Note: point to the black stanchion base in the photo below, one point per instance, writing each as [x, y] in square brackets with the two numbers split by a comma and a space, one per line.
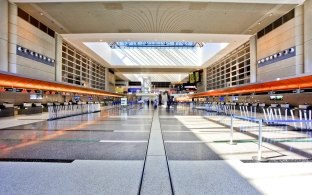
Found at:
[255, 158]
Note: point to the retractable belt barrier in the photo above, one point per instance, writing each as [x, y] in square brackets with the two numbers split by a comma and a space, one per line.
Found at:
[56, 112]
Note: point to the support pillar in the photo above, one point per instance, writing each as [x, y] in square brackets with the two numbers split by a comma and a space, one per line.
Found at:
[204, 81]
[4, 35]
[299, 39]
[12, 37]
[253, 59]
[58, 57]
[308, 36]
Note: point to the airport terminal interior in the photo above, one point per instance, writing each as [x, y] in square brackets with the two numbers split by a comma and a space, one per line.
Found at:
[155, 97]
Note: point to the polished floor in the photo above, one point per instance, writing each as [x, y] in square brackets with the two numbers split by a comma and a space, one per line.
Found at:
[146, 151]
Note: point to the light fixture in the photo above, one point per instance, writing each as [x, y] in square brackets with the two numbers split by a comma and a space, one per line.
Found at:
[259, 61]
[32, 53]
[292, 50]
[259, 23]
[36, 54]
[41, 13]
[20, 48]
[275, 55]
[262, 60]
[278, 79]
[101, 40]
[267, 59]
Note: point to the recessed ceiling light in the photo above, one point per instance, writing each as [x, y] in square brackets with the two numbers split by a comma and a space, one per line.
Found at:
[41, 13]
[271, 14]
[249, 30]
[101, 40]
[259, 23]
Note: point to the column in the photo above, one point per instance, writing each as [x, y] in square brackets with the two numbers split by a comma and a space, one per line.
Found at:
[308, 36]
[4, 28]
[12, 37]
[204, 81]
[299, 39]
[106, 80]
[58, 57]
[253, 59]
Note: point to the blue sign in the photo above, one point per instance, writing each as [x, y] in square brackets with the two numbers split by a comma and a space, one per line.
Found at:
[134, 90]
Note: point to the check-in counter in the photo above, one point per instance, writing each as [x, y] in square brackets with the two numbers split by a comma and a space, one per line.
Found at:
[6, 109]
[45, 107]
[256, 107]
[285, 108]
[274, 105]
[305, 111]
[261, 106]
[29, 108]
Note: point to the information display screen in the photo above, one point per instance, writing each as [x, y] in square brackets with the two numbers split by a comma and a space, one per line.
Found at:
[197, 77]
[276, 97]
[35, 97]
[191, 78]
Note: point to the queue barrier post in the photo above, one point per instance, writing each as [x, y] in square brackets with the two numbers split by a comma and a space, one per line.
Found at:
[232, 132]
[259, 157]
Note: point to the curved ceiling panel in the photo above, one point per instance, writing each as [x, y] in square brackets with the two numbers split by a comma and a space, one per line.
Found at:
[158, 17]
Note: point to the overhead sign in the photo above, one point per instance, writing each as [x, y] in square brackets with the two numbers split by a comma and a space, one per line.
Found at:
[124, 102]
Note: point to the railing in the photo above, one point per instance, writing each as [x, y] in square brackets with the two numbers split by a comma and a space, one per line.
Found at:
[271, 117]
[62, 111]
[261, 124]
[253, 120]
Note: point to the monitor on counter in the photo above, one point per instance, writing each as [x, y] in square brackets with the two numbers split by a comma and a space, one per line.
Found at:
[35, 97]
[77, 98]
[234, 98]
[276, 97]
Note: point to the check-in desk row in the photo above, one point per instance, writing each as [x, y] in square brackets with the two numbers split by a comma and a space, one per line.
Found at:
[30, 108]
[6, 109]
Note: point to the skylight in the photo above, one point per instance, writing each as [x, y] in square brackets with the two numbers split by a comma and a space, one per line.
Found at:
[155, 45]
[156, 54]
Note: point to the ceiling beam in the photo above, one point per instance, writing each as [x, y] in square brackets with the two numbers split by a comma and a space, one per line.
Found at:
[216, 1]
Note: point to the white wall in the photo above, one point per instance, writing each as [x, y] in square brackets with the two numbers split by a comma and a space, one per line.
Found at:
[26, 35]
[285, 36]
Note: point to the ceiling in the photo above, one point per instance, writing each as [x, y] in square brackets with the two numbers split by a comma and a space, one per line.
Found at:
[157, 17]
[156, 77]
[209, 21]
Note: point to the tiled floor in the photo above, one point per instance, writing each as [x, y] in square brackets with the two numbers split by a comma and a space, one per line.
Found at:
[142, 151]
